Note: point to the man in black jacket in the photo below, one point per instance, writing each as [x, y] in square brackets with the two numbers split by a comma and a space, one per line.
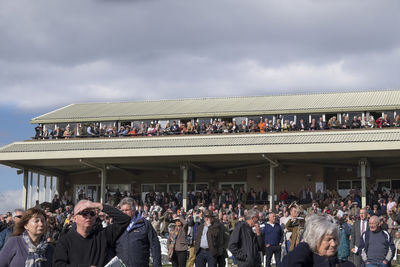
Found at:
[245, 245]
[85, 246]
[209, 241]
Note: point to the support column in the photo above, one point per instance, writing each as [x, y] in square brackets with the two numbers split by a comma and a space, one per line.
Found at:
[45, 188]
[51, 189]
[37, 188]
[185, 174]
[30, 190]
[271, 185]
[25, 190]
[103, 184]
[363, 168]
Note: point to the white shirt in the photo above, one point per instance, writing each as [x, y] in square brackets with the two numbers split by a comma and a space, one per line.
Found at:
[361, 226]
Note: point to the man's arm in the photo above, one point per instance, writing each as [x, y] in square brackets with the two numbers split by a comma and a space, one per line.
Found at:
[391, 250]
[154, 246]
[234, 245]
[120, 222]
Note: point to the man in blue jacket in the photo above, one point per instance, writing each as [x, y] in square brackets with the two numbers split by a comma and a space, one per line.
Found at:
[273, 236]
[376, 245]
[134, 245]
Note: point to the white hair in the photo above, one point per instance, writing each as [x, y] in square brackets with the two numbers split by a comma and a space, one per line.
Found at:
[251, 213]
[316, 227]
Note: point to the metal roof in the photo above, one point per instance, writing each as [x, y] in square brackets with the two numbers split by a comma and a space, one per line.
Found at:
[323, 141]
[225, 107]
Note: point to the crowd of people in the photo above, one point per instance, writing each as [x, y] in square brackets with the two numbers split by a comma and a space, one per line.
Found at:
[263, 125]
[303, 229]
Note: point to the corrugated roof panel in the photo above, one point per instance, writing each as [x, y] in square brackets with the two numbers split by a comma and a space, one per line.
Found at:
[307, 103]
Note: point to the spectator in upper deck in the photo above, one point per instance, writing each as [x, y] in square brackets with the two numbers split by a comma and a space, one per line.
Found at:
[203, 128]
[262, 125]
[396, 122]
[313, 125]
[174, 129]
[277, 126]
[90, 130]
[356, 123]
[210, 129]
[67, 133]
[57, 133]
[346, 124]
[142, 129]
[321, 124]
[302, 126]
[233, 128]
[243, 127]
[286, 126]
[46, 134]
[333, 123]
[196, 128]
[38, 132]
[151, 130]
[270, 126]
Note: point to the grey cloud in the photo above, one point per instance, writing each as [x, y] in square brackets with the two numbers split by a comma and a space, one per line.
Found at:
[57, 52]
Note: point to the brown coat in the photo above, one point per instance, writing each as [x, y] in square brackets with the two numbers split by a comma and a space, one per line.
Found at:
[213, 239]
[181, 239]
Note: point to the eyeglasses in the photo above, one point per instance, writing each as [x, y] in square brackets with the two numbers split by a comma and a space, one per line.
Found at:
[85, 213]
[18, 216]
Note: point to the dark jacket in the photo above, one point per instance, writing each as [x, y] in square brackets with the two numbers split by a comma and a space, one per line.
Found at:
[302, 256]
[213, 239]
[245, 245]
[15, 253]
[133, 247]
[75, 250]
[364, 245]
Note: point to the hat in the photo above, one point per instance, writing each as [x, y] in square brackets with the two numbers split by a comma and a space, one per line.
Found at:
[208, 213]
[354, 203]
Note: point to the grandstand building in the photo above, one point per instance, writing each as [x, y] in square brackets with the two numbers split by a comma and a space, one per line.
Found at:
[91, 162]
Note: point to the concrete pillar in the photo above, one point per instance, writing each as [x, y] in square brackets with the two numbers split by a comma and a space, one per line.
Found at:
[185, 174]
[45, 188]
[38, 187]
[51, 189]
[363, 167]
[30, 190]
[103, 184]
[271, 185]
[25, 190]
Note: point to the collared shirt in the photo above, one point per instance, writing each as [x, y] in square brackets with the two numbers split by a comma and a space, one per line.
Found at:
[133, 221]
[203, 241]
[365, 222]
[272, 224]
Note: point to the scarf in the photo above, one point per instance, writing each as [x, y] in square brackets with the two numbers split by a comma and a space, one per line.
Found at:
[36, 254]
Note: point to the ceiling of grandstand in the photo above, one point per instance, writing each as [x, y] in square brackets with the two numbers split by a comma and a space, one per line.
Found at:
[225, 107]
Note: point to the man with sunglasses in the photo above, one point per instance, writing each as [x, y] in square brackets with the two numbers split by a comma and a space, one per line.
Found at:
[85, 245]
[11, 220]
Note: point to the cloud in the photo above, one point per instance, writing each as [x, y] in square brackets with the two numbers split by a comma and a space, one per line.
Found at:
[57, 53]
[10, 200]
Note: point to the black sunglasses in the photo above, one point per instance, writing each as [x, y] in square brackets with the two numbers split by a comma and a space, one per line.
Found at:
[87, 212]
[18, 216]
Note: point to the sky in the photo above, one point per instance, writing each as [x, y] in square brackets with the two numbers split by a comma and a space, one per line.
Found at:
[54, 53]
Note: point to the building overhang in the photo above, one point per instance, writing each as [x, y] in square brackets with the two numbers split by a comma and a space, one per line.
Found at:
[342, 148]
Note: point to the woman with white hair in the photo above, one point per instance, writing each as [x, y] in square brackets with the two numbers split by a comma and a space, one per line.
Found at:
[319, 245]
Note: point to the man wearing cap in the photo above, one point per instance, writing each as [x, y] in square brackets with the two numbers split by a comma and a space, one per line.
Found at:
[208, 241]
[11, 221]
[85, 245]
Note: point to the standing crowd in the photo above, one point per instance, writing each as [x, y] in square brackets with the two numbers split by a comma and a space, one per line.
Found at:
[304, 229]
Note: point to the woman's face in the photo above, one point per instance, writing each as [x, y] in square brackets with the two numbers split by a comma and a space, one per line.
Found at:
[327, 246]
[36, 225]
